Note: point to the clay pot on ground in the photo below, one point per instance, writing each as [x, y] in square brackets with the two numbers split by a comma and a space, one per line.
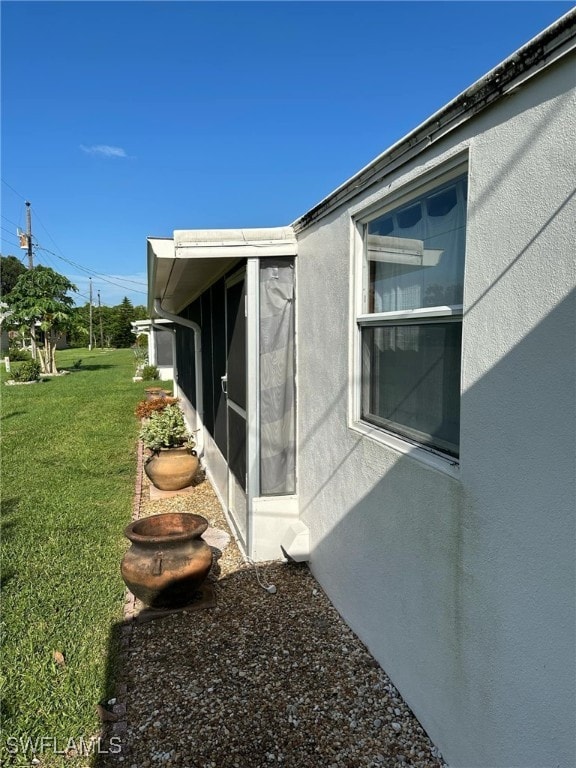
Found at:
[152, 393]
[172, 469]
[168, 560]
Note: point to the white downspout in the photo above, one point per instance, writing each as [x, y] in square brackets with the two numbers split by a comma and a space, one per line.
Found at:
[152, 344]
[197, 367]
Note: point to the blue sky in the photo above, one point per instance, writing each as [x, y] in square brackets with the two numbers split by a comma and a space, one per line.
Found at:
[127, 119]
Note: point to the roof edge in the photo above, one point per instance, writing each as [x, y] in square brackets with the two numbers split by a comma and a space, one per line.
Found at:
[541, 51]
[229, 237]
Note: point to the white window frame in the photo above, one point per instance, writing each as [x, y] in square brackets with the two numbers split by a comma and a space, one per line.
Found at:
[360, 217]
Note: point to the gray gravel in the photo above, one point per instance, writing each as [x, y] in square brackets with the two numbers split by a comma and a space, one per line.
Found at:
[259, 680]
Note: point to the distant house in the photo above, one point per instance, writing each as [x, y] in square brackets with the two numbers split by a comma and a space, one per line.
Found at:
[8, 337]
[386, 389]
[160, 348]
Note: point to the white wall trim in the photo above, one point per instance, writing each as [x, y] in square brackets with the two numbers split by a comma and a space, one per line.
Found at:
[252, 396]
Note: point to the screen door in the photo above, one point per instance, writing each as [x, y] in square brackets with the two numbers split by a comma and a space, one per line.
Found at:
[235, 388]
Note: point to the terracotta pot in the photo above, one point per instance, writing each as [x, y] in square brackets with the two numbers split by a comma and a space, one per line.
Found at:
[168, 561]
[172, 468]
[152, 393]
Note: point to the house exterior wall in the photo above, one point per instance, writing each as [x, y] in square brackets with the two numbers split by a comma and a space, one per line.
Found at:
[461, 580]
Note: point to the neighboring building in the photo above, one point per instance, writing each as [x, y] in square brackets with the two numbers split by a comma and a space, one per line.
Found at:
[387, 389]
[160, 335]
[7, 337]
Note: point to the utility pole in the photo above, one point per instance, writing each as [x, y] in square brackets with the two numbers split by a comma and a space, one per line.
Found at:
[101, 327]
[29, 236]
[90, 333]
[33, 346]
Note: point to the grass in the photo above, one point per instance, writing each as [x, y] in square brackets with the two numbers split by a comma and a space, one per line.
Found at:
[68, 469]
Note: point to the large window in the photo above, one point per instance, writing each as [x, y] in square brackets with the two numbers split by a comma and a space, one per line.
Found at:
[411, 317]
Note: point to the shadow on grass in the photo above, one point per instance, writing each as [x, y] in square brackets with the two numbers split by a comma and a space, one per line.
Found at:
[90, 367]
[110, 746]
[8, 509]
[11, 415]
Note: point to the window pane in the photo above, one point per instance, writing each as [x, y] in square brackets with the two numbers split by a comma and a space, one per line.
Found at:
[416, 252]
[411, 381]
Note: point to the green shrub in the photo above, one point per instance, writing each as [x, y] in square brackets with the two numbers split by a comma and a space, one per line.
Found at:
[27, 371]
[150, 373]
[166, 429]
[141, 355]
[17, 354]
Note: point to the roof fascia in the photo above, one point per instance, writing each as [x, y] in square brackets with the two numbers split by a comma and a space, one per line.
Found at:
[553, 43]
[181, 268]
[234, 243]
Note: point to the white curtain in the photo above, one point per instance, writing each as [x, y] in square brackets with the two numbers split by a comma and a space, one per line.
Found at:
[429, 271]
[277, 384]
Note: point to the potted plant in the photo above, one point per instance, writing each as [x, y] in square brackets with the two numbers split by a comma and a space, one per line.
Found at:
[148, 406]
[141, 356]
[172, 464]
[150, 373]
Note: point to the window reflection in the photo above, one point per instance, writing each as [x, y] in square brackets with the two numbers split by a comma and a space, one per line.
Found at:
[416, 252]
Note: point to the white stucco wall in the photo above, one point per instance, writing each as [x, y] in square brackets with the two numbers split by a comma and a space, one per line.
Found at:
[463, 585]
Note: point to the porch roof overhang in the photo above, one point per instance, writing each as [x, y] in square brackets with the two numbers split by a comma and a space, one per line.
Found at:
[140, 326]
[182, 267]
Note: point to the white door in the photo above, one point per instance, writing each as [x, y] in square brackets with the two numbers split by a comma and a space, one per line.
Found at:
[235, 388]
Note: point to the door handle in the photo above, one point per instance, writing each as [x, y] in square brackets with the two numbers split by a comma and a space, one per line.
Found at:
[224, 384]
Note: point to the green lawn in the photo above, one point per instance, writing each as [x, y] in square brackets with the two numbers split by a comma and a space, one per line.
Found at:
[68, 468]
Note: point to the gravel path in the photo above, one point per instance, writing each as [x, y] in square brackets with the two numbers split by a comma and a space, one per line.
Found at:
[258, 680]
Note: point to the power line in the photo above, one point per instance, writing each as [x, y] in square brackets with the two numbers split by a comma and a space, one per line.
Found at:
[5, 229]
[86, 269]
[48, 260]
[61, 256]
[13, 190]
[10, 221]
[91, 272]
[12, 243]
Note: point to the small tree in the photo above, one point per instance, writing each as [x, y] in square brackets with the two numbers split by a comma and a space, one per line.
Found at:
[123, 316]
[41, 296]
[10, 270]
[5, 312]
